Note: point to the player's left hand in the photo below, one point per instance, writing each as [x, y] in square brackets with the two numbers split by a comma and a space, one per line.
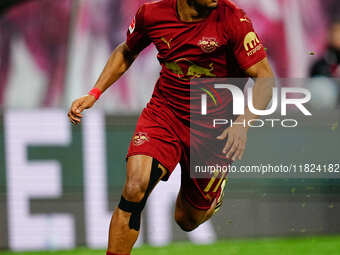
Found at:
[236, 141]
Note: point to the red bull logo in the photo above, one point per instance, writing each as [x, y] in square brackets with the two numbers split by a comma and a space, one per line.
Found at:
[193, 71]
[140, 138]
[208, 45]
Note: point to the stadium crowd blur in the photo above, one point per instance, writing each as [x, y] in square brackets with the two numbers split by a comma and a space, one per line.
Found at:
[328, 66]
[53, 51]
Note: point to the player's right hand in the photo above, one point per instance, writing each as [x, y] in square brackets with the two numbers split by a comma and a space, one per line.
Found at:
[78, 106]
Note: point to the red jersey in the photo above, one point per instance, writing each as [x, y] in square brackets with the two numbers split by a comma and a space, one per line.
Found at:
[222, 45]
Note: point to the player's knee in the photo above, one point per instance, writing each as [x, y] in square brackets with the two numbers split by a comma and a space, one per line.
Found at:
[186, 223]
[135, 190]
[133, 201]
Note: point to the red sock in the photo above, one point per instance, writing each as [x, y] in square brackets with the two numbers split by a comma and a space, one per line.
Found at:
[110, 253]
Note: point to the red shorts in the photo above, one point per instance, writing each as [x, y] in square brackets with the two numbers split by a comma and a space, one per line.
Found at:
[162, 135]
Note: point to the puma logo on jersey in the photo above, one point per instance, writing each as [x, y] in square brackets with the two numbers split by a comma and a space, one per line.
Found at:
[168, 43]
[244, 20]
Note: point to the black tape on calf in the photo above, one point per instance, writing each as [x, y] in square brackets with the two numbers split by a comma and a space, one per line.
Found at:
[136, 208]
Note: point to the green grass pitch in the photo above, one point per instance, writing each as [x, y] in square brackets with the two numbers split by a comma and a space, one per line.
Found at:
[308, 245]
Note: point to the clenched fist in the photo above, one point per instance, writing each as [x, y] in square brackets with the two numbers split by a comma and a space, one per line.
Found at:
[79, 105]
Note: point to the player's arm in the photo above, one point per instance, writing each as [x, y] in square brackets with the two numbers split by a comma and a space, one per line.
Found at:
[119, 62]
[262, 95]
[251, 57]
[263, 88]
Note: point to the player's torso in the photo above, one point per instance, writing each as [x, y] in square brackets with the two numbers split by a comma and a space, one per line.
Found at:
[188, 50]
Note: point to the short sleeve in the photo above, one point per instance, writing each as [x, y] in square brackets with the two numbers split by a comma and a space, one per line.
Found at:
[246, 44]
[137, 38]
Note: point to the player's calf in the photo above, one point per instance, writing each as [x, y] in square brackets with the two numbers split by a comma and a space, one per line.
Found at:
[186, 223]
[143, 173]
[189, 218]
[137, 190]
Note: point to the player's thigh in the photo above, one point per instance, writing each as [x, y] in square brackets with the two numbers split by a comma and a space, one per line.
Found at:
[143, 173]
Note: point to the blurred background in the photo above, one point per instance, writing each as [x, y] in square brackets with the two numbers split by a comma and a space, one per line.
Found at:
[59, 184]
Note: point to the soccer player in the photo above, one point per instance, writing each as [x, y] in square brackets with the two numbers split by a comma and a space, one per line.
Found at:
[194, 38]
